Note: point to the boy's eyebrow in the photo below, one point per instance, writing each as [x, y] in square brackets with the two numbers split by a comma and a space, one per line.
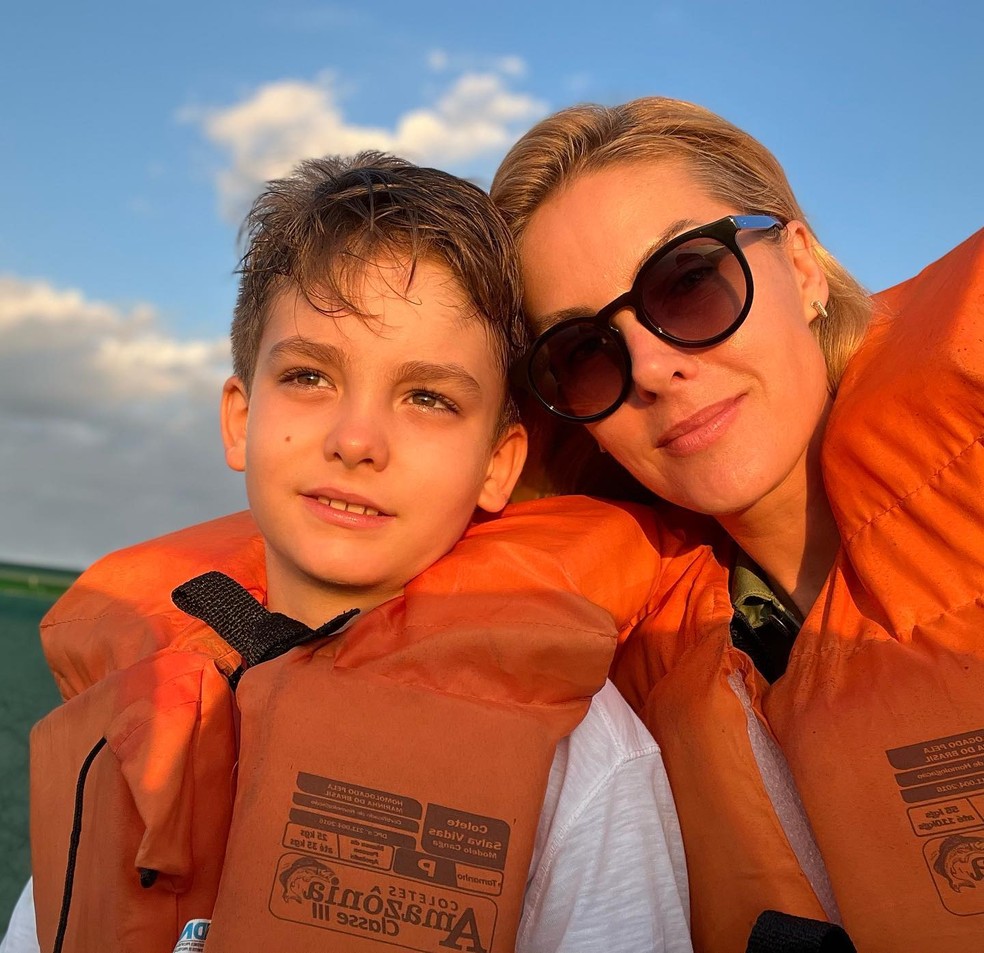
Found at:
[425, 372]
[313, 350]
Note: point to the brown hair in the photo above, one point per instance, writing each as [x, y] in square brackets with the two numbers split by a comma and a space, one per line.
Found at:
[729, 164]
[322, 225]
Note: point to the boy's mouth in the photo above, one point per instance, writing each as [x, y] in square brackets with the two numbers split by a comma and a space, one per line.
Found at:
[347, 507]
[343, 500]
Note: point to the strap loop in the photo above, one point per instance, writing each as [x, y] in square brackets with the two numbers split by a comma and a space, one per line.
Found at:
[776, 932]
[255, 633]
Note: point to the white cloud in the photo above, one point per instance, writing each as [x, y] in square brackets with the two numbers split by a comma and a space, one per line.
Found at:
[109, 427]
[512, 66]
[266, 134]
[64, 354]
[438, 60]
[31, 302]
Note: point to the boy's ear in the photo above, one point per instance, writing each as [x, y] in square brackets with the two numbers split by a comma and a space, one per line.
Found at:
[233, 414]
[505, 466]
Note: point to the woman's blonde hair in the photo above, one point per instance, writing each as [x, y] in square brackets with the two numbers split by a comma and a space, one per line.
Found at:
[727, 163]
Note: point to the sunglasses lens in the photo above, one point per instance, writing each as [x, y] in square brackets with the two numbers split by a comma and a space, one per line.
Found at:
[579, 370]
[695, 292]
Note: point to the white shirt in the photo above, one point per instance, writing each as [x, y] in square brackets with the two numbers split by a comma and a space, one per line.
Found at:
[22, 935]
[608, 871]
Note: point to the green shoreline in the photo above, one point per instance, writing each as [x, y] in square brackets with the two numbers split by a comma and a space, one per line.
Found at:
[35, 580]
[27, 693]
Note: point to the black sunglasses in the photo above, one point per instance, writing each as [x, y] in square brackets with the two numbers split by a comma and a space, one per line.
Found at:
[693, 292]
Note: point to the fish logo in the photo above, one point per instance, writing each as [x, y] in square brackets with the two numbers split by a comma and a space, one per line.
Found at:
[297, 878]
[960, 861]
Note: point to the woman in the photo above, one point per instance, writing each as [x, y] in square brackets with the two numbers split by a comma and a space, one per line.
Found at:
[817, 685]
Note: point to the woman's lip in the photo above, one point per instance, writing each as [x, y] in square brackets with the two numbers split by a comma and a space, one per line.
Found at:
[700, 430]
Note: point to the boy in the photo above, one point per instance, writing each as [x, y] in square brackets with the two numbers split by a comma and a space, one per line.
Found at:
[390, 770]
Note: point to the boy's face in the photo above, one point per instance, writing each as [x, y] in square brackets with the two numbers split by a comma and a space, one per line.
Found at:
[368, 443]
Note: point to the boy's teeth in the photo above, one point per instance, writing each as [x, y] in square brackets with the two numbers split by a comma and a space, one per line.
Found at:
[349, 507]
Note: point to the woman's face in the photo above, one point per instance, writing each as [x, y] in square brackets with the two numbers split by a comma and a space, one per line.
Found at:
[717, 430]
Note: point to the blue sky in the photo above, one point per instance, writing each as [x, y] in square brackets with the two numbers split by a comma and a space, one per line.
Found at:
[133, 135]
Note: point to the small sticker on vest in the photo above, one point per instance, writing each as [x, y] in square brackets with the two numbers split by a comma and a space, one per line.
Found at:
[382, 866]
[192, 939]
[944, 781]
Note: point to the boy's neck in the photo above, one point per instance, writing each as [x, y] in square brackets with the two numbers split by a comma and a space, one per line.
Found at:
[314, 602]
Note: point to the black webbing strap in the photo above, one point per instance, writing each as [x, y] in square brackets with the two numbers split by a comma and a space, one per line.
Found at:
[256, 634]
[776, 932]
[73, 845]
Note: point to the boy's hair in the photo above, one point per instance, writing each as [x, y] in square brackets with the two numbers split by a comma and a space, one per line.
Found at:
[321, 226]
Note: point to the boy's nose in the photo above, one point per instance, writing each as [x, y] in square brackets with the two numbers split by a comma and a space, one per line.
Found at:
[654, 362]
[357, 439]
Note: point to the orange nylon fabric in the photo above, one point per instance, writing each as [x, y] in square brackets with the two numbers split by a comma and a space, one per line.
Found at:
[389, 781]
[170, 732]
[880, 714]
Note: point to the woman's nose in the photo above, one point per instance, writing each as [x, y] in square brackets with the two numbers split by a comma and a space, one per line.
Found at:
[655, 363]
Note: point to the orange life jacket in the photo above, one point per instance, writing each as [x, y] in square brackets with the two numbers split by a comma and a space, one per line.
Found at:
[381, 787]
[880, 713]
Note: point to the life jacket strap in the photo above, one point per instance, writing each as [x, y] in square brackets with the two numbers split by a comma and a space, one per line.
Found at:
[776, 932]
[232, 611]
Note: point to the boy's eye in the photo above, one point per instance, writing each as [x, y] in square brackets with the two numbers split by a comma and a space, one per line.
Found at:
[305, 377]
[426, 398]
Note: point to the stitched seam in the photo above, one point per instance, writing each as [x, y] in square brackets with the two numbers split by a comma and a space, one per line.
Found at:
[153, 716]
[902, 500]
[433, 689]
[413, 626]
[963, 605]
[836, 647]
[107, 613]
[976, 599]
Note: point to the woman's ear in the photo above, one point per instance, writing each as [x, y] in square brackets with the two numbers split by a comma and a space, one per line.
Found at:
[505, 466]
[233, 414]
[810, 276]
